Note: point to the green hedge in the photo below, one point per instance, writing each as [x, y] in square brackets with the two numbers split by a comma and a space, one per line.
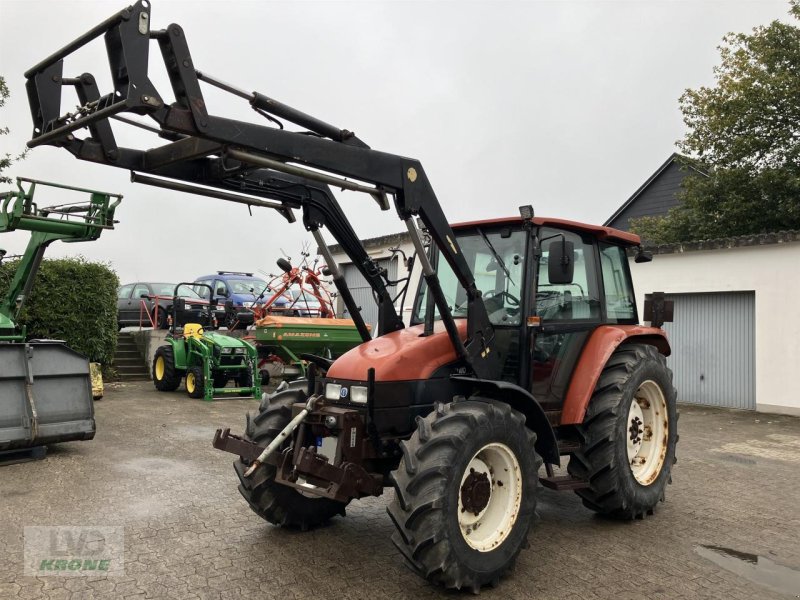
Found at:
[73, 300]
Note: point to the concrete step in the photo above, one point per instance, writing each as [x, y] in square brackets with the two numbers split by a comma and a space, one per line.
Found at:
[133, 361]
[131, 368]
[134, 377]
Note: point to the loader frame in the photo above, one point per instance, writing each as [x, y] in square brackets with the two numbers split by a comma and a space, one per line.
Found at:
[250, 161]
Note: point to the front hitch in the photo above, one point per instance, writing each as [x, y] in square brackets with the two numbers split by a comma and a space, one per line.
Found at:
[281, 437]
[339, 476]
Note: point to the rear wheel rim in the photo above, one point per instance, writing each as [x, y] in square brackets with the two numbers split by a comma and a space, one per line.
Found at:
[490, 495]
[647, 432]
[191, 383]
[160, 368]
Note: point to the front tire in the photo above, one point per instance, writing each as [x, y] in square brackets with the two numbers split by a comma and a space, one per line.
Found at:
[274, 502]
[166, 377]
[244, 378]
[195, 382]
[220, 379]
[465, 493]
[630, 434]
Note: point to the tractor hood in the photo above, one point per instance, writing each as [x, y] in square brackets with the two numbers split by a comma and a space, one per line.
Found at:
[224, 341]
[402, 355]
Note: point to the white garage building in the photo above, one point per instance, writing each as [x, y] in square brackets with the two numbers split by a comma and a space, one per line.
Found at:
[736, 331]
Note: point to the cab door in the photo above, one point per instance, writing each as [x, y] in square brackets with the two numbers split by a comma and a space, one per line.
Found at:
[569, 312]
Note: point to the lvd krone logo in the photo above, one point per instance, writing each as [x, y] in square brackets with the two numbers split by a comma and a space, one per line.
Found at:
[84, 550]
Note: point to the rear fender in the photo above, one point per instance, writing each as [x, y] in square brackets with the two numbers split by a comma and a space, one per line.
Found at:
[178, 352]
[598, 349]
[521, 400]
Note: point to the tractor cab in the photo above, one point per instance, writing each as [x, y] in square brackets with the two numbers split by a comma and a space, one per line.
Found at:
[547, 285]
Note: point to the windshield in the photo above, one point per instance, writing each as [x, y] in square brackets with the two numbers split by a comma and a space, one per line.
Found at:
[168, 289]
[496, 259]
[302, 297]
[244, 286]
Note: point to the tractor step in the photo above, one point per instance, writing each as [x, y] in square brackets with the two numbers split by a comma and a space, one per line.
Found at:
[568, 446]
[562, 483]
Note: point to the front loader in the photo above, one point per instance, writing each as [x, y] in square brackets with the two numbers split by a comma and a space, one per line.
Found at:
[524, 347]
[45, 386]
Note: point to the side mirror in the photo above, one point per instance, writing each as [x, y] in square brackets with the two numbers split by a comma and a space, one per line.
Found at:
[492, 266]
[145, 296]
[561, 261]
[284, 265]
[643, 256]
[179, 305]
[221, 291]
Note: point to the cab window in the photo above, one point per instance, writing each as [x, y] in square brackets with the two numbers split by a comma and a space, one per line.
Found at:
[202, 290]
[496, 259]
[575, 301]
[620, 303]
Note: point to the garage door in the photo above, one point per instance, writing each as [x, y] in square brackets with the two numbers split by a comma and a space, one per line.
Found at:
[362, 293]
[713, 349]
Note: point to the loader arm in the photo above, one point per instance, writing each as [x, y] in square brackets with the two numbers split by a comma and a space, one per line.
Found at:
[74, 222]
[204, 147]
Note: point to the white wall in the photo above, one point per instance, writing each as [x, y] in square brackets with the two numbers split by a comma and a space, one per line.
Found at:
[383, 252]
[772, 271]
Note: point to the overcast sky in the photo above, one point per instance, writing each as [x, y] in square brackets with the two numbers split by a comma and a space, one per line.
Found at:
[568, 106]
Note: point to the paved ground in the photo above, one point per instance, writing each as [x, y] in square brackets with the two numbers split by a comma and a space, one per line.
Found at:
[189, 534]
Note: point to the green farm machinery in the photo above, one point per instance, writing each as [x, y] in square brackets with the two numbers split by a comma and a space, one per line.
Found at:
[45, 386]
[286, 344]
[207, 360]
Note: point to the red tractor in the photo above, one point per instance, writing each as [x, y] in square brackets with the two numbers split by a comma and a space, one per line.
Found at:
[524, 353]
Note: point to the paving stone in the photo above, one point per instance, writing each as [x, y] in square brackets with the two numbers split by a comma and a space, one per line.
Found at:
[189, 534]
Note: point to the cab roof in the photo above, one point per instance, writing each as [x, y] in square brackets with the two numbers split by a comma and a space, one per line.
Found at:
[599, 231]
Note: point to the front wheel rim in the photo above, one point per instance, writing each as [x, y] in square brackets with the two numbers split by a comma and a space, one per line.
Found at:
[647, 433]
[489, 497]
[160, 368]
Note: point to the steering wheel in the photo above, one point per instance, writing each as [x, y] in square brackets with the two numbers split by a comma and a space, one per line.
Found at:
[512, 300]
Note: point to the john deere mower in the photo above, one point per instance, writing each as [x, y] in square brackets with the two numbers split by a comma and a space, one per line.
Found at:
[208, 360]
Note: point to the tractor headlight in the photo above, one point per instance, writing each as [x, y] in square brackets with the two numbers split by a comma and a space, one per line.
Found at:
[238, 351]
[358, 393]
[332, 391]
[227, 350]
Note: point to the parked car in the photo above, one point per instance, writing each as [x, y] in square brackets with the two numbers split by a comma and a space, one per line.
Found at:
[302, 304]
[240, 291]
[136, 299]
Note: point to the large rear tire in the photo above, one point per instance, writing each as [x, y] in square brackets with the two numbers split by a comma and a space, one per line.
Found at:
[274, 502]
[630, 434]
[465, 493]
[166, 377]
